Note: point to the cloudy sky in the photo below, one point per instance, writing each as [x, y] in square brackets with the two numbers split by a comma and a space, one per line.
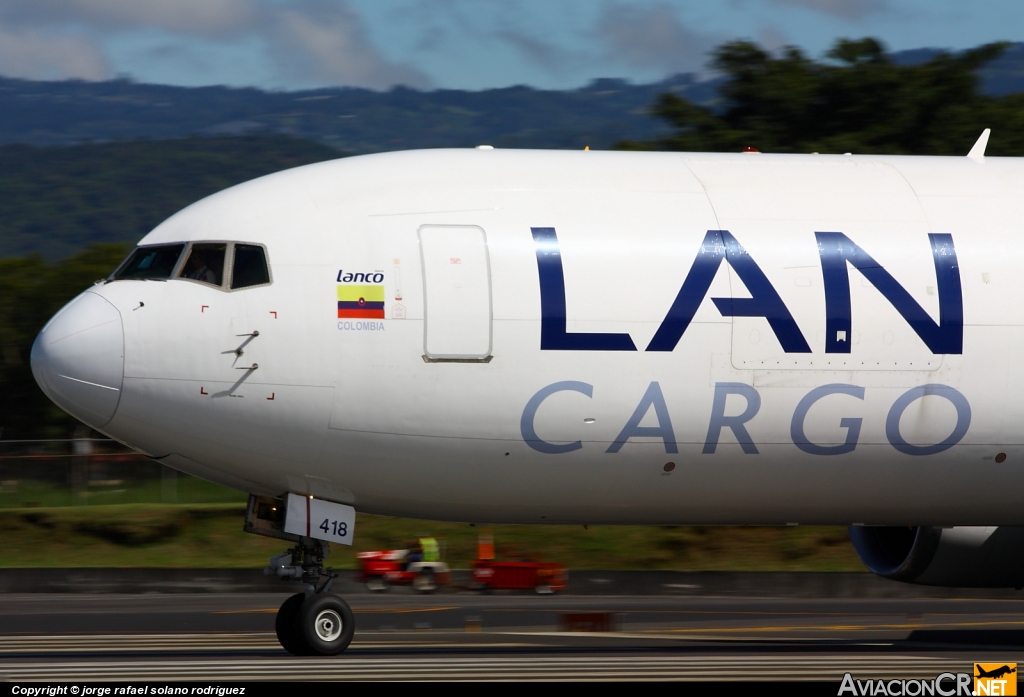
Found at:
[466, 44]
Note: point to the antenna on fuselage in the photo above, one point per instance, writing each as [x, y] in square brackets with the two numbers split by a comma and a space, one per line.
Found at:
[977, 153]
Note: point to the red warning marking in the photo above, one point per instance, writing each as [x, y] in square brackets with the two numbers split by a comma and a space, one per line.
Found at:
[274, 313]
[271, 397]
[203, 308]
[202, 391]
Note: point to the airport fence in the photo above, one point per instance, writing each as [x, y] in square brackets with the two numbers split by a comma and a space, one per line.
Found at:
[94, 471]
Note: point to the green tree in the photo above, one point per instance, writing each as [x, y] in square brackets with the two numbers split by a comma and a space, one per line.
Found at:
[854, 100]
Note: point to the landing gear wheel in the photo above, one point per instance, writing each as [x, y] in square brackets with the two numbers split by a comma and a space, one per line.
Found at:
[326, 624]
[425, 582]
[286, 625]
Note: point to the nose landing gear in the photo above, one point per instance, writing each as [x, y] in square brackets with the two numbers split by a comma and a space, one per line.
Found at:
[314, 622]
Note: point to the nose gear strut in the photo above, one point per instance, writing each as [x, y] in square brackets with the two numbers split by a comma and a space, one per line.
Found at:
[304, 562]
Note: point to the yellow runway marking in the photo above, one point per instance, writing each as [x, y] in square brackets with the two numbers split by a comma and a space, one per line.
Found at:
[755, 613]
[358, 611]
[841, 627]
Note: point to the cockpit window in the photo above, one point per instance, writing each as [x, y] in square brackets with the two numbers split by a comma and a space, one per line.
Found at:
[250, 267]
[205, 263]
[151, 262]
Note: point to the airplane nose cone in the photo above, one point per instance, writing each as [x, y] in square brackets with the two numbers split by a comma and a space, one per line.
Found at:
[78, 359]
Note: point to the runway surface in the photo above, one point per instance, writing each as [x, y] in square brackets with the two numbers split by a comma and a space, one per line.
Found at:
[215, 637]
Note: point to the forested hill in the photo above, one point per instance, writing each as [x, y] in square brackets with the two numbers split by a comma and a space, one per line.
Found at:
[350, 120]
[362, 121]
[56, 201]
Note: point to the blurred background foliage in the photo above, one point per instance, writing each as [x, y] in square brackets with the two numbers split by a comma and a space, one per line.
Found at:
[211, 535]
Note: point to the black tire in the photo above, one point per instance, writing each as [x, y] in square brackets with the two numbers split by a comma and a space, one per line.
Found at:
[286, 626]
[326, 624]
[425, 581]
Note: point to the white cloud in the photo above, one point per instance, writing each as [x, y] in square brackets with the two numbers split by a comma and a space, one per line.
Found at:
[652, 36]
[772, 38]
[39, 56]
[845, 9]
[551, 58]
[311, 41]
[202, 17]
[329, 42]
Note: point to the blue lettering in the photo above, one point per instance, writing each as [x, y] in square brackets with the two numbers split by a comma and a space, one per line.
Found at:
[892, 421]
[852, 426]
[526, 423]
[836, 249]
[663, 430]
[719, 420]
[553, 336]
[719, 245]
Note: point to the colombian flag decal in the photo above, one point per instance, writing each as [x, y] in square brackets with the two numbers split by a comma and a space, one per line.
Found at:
[361, 302]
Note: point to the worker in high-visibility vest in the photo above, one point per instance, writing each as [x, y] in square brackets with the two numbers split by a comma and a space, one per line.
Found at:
[431, 550]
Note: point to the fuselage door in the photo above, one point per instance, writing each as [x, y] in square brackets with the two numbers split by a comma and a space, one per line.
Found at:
[457, 293]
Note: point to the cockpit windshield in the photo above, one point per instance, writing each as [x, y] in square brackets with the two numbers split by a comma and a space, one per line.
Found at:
[205, 263]
[250, 268]
[151, 262]
[226, 265]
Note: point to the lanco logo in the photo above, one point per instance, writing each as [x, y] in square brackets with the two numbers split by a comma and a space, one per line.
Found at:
[360, 296]
[995, 678]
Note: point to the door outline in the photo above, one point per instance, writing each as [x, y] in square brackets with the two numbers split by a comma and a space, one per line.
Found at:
[457, 358]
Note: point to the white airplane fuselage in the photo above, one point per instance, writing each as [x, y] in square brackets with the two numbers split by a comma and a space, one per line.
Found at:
[586, 337]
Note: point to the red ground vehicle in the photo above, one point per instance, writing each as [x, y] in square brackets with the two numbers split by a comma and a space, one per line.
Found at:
[542, 577]
[386, 568]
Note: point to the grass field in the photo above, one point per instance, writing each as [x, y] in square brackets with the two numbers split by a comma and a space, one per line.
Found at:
[31, 493]
[210, 535]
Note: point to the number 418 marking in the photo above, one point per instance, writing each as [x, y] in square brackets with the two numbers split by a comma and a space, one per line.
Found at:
[339, 529]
